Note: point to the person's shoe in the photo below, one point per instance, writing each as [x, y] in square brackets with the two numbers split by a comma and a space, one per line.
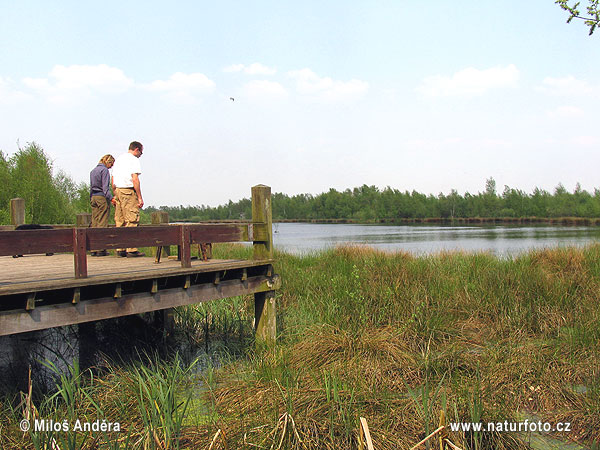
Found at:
[122, 254]
[135, 254]
[102, 253]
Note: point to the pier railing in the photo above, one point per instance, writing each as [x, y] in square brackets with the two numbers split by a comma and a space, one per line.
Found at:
[79, 240]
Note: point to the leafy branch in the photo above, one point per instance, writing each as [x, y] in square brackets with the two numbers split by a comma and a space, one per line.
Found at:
[593, 10]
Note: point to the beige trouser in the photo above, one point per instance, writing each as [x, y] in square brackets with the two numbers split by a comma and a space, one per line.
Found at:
[100, 209]
[127, 212]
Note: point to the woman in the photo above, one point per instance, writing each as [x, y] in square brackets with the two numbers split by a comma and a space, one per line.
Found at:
[100, 195]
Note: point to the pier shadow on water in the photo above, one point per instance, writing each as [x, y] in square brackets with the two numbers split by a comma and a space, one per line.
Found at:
[97, 345]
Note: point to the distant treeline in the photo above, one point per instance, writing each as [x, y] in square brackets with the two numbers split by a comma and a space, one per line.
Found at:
[55, 198]
[368, 203]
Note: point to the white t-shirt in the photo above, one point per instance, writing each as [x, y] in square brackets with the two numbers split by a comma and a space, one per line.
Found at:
[125, 166]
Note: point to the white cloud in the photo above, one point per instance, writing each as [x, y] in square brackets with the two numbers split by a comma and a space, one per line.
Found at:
[8, 93]
[470, 81]
[563, 112]
[234, 68]
[567, 86]
[264, 89]
[67, 83]
[252, 69]
[310, 84]
[586, 141]
[182, 87]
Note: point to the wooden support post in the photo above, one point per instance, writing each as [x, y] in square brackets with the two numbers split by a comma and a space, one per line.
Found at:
[88, 343]
[261, 213]
[168, 321]
[265, 324]
[264, 302]
[185, 247]
[161, 218]
[83, 220]
[17, 211]
[80, 252]
[118, 291]
[154, 288]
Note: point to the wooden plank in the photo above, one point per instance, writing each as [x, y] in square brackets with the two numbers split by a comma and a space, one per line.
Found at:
[203, 233]
[25, 242]
[262, 214]
[17, 211]
[185, 254]
[265, 317]
[80, 252]
[83, 220]
[122, 237]
[42, 317]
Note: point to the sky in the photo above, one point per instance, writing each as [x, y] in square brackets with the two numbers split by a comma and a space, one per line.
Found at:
[305, 96]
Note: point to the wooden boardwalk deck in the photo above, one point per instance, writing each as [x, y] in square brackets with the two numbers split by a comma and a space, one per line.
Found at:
[39, 273]
[38, 292]
[70, 287]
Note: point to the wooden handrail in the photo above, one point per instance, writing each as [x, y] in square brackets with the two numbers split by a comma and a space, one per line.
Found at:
[81, 240]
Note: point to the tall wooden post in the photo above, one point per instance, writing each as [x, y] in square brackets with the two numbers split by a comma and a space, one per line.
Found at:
[17, 211]
[264, 302]
[83, 220]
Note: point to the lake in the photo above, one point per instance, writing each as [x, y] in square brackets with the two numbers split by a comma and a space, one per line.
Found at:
[502, 240]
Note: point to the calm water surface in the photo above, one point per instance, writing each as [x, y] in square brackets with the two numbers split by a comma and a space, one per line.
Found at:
[503, 240]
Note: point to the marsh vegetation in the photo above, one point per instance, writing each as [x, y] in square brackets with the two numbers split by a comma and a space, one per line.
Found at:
[390, 337]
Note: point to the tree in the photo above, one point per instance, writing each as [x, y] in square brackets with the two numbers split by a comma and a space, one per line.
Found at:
[593, 10]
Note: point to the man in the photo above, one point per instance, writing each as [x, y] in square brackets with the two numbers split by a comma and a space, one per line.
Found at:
[128, 194]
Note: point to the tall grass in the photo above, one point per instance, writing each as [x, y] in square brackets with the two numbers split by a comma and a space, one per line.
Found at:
[390, 337]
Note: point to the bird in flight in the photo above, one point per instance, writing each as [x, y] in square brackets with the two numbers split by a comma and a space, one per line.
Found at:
[232, 99]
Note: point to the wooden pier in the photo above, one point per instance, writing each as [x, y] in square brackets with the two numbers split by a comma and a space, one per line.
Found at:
[38, 291]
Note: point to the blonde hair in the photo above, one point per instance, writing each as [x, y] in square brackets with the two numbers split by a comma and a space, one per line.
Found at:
[106, 160]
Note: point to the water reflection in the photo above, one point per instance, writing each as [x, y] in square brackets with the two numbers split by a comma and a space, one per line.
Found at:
[115, 342]
[424, 239]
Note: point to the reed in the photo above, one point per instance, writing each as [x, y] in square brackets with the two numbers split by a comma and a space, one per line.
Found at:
[390, 337]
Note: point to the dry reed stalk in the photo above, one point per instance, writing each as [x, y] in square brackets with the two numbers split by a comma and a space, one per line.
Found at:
[365, 434]
[214, 439]
[432, 434]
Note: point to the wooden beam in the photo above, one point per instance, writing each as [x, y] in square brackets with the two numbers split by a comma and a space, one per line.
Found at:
[185, 246]
[26, 242]
[151, 236]
[61, 240]
[42, 317]
[262, 214]
[265, 323]
[17, 211]
[80, 252]
[264, 302]
[83, 220]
